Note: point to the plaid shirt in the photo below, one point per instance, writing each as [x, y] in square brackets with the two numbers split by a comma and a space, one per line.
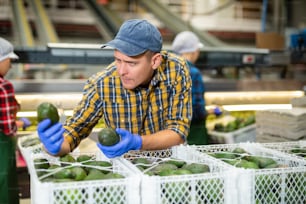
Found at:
[198, 90]
[8, 108]
[164, 104]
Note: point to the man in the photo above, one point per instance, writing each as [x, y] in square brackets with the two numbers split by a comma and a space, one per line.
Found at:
[8, 128]
[188, 45]
[145, 94]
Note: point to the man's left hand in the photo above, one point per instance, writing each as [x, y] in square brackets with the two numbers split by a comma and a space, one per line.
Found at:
[128, 142]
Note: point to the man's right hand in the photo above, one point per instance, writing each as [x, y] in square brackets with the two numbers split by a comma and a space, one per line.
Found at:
[51, 135]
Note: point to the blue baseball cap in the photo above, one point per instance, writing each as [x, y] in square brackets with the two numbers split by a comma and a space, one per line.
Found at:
[135, 37]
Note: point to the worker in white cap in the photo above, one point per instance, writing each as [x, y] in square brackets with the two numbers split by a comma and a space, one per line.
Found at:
[188, 45]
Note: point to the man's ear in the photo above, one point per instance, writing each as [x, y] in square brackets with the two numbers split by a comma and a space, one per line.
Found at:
[156, 60]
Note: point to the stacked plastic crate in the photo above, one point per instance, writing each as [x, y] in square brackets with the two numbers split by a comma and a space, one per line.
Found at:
[281, 125]
[282, 181]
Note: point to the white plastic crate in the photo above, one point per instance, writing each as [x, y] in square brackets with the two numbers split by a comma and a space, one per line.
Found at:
[284, 123]
[216, 186]
[282, 185]
[107, 191]
[288, 147]
[245, 134]
[26, 151]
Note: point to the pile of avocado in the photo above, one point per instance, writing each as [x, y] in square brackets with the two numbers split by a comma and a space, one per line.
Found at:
[299, 151]
[240, 158]
[236, 124]
[82, 168]
[168, 167]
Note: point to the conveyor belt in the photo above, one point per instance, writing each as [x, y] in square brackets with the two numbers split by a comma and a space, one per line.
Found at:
[44, 26]
[176, 24]
[22, 25]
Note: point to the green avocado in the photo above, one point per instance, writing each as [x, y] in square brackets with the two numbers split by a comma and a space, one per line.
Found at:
[47, 110]
[65, 173]
[225, 155]
[262, 162]
[67, 158]
[78, 173]
[163, 167]
[247, 164]
[141, 162]
[176, 162]
[95, 174]
[83, 158]
[196, 168]
[108, 137]
[41, 163]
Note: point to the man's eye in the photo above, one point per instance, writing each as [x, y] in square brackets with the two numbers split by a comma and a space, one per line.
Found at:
[132, 63]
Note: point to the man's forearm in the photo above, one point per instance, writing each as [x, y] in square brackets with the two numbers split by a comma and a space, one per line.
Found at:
[161, 140]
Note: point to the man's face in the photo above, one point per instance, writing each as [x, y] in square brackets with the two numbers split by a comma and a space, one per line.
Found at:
[134, 71]
[5, 65]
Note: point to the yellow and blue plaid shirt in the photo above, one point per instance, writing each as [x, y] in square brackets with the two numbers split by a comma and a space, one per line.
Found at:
[164, 104]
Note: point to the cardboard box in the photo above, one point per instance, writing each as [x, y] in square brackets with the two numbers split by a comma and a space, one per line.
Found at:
[270, 40]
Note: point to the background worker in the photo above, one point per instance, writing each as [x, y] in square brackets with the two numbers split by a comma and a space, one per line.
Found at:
[8, 109]
[145, 94]
[187, 45]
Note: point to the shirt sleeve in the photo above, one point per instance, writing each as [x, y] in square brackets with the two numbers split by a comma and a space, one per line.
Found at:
[8, 109]
[85, 115]
[180, 106]
[198, 101]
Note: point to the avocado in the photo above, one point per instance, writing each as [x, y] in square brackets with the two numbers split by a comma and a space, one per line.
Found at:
[78, 173]
[108, 137]
[247, 164]
[94, 174]
[141, 162]
[262, 162]
[41, 163]
[113, 175]
[225, 155]
[181, 171]
[196, 168]
[82, 158]
[94, 164]
[232, 162]
[67, 158]
[176, 162]
[47, 110]
[65, 173]
[239, 150]
[166, 172]
[163, 166]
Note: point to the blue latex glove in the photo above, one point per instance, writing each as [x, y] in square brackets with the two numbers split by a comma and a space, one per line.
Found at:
[51, 135]
[26, 123]
[128, 142]
[217, 111]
